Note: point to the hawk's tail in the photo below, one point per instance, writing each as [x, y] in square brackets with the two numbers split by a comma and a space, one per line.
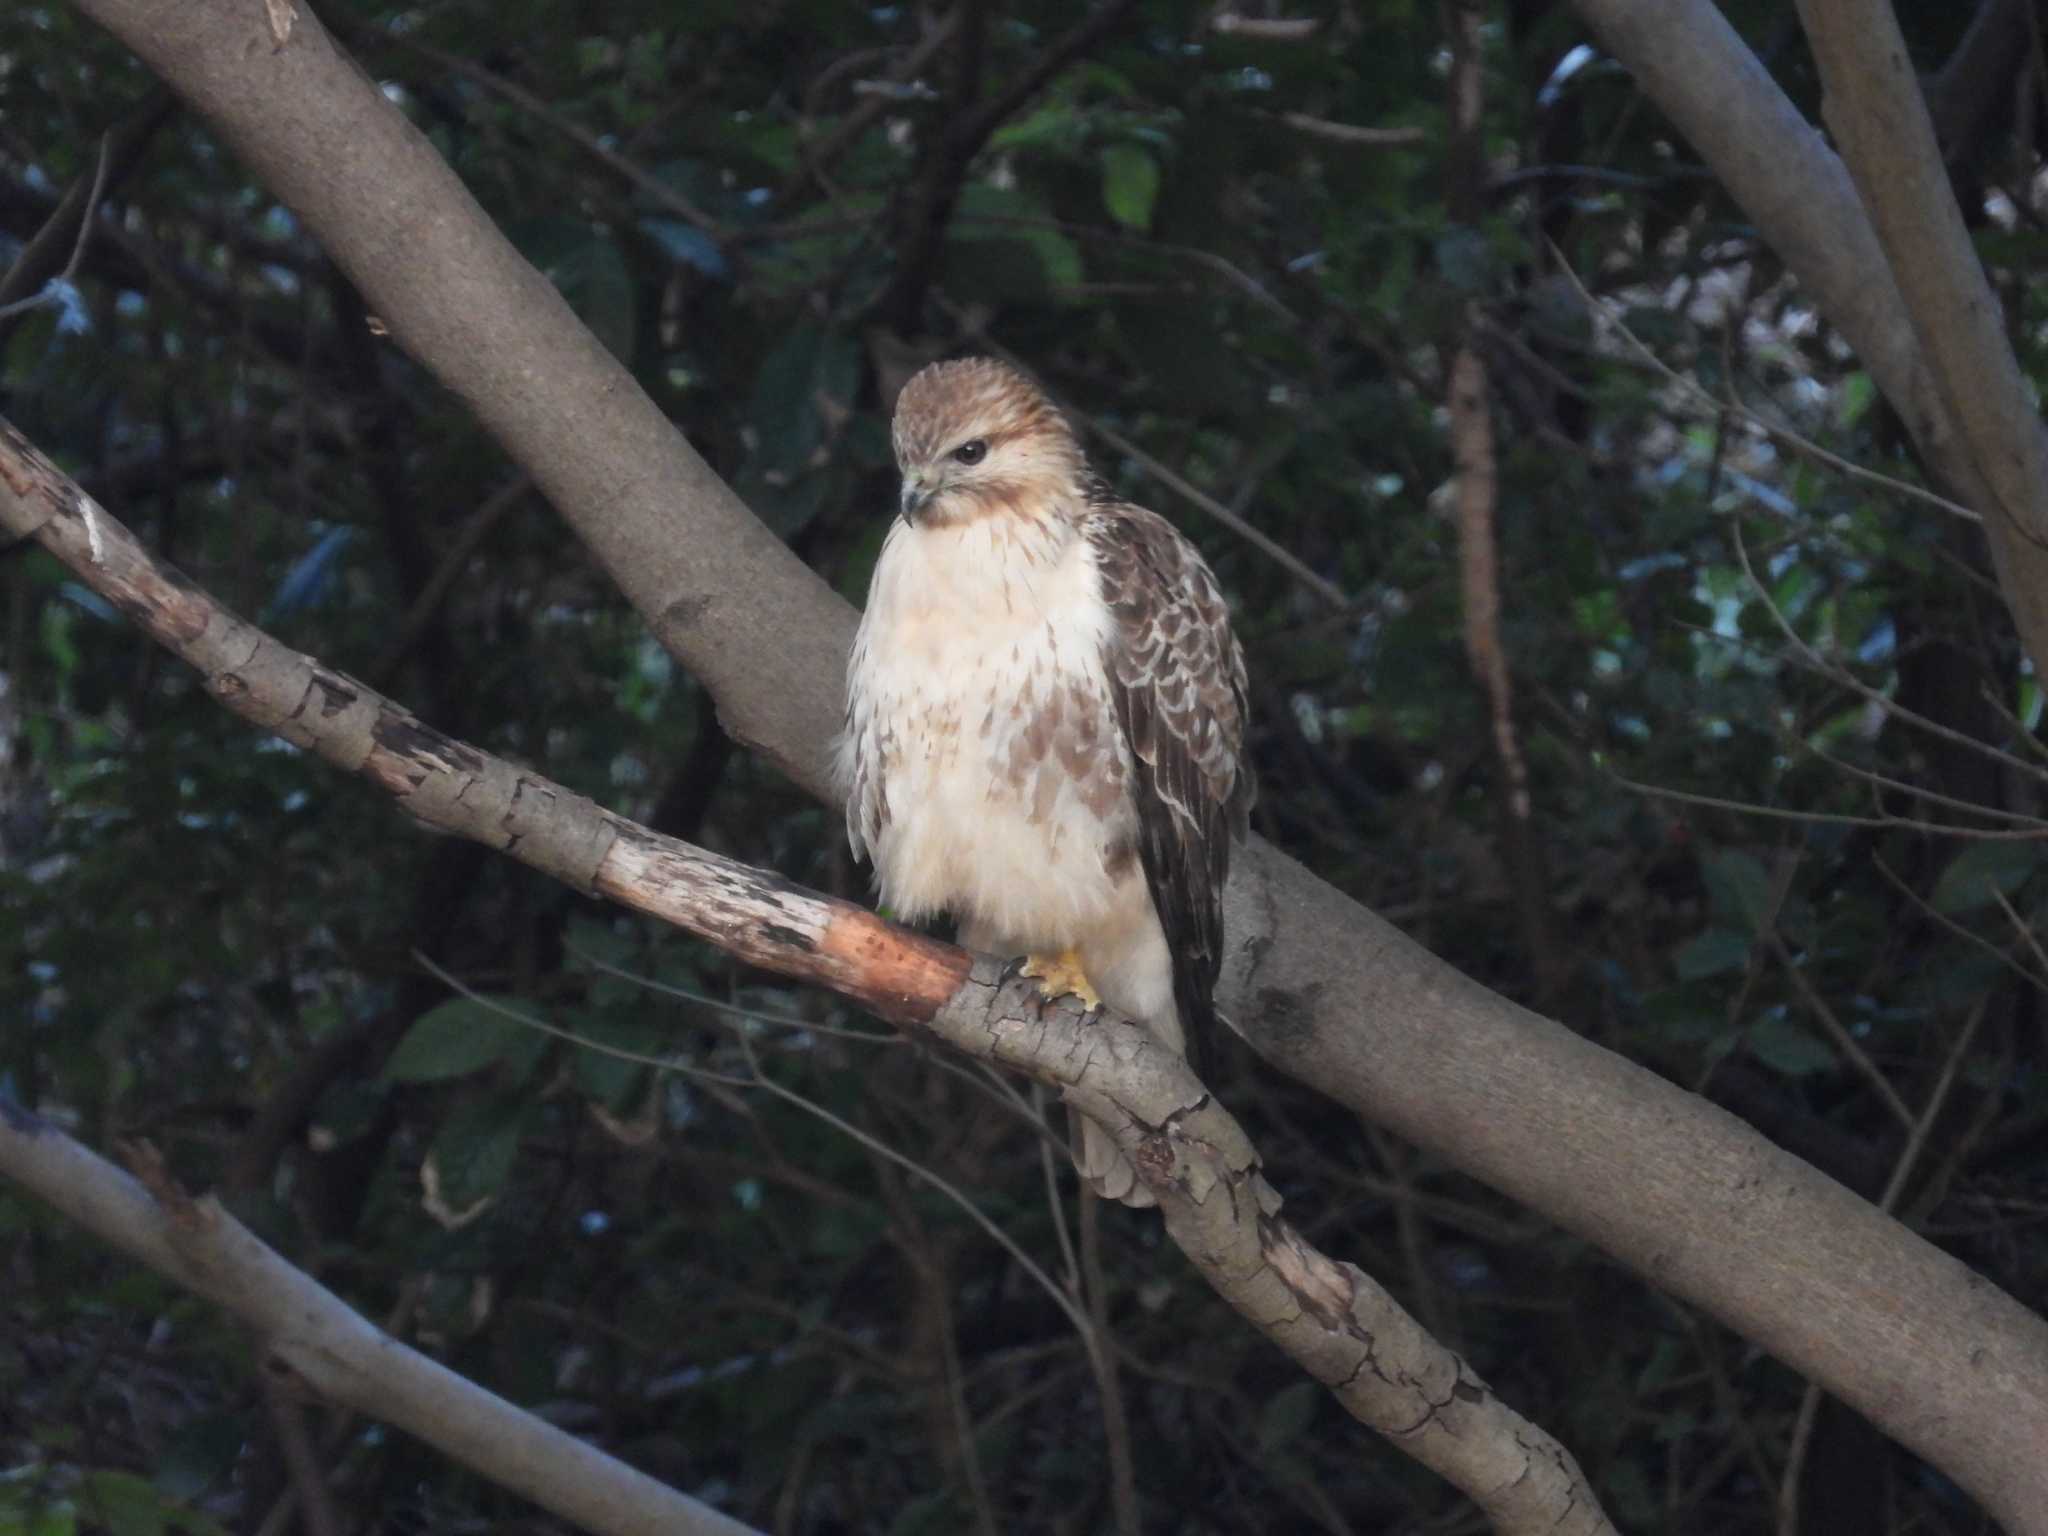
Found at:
[1102, 1164]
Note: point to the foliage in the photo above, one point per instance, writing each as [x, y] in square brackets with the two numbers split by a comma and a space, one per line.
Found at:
[209, 942]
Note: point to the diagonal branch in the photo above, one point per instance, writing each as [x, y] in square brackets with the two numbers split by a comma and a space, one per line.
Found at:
[1332, 1318]
[1873, 103]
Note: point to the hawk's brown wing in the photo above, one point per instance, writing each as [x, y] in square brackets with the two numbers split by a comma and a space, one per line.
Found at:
[1178, 679]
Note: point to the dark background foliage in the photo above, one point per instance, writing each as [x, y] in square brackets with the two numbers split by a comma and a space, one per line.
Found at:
[772, 212]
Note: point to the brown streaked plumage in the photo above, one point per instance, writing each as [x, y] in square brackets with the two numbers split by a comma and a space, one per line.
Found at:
[1046, 713]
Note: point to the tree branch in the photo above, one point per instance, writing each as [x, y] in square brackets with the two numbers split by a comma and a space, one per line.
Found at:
[1872, 101]
[1333, 1319]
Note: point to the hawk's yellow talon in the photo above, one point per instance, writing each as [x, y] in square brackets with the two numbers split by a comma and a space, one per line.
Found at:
[1061, 975]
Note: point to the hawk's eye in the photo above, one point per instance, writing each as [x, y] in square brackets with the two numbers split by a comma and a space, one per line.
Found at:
[971, 452]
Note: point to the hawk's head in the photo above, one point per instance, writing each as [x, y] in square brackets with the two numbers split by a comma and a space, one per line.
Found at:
[976, 438]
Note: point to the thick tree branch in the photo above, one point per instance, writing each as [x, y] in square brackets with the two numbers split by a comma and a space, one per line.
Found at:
[1873, 103]
[1332, 1318]
[312, 1335]
[1716, 1215]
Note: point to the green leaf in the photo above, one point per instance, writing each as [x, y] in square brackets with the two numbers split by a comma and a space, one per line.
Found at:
[1740, 888]
[1711, 952]
[201, 1453]
[1854, 398]
[29, 1511]
[1011, 231]
[472, 1156]
[1980, 872]
[461, 1036]
[1288, 1414]
[125, 1504]
[809, 373]
[1130, 184]
[1055, 125]
[643, 1029]
[1791, 1048]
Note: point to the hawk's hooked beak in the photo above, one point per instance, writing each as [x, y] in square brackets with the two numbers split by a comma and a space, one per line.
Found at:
[914, 496]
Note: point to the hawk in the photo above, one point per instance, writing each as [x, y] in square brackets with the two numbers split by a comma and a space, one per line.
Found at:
[1045, 719]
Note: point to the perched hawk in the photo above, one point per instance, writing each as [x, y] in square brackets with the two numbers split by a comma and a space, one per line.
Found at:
[1045, 718]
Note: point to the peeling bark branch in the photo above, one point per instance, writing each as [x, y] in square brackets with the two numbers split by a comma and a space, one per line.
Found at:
[1332, 1318]
[1476, 505]
[1479, 563]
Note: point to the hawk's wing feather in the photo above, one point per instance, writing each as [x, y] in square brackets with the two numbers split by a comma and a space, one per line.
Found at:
[1178, 679]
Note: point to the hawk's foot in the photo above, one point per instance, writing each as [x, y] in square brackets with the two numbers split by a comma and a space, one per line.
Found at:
[1061, 975]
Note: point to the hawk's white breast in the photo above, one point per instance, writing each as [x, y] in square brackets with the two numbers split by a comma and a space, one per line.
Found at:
[986, 771]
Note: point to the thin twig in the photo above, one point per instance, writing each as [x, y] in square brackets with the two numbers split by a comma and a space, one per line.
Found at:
[47, 293]
[817, 159]
[1116, 1423]
[1956, 929]
[1909, 1155]
[317, 1512]
[1267, 29]
[2020, 729]
[453, 565]
[1753, 969]
[1349, 133]
[768, 1084]
[1328, 591]
[1056, 1207]
[2020, 926]
[1803, 446]
[1921, 792]
[1823, 818]
[1844, 1041]
[1089, 233]
[1856, 685]
[591, 143]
